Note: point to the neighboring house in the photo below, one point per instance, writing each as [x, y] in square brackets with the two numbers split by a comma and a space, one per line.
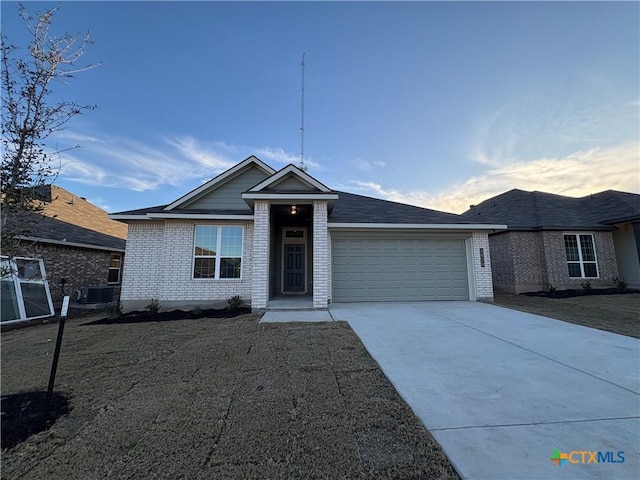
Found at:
[559, 241]
[81, 247]
[260, 233]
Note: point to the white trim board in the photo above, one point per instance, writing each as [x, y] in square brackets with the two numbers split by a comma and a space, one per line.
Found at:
[416, 226]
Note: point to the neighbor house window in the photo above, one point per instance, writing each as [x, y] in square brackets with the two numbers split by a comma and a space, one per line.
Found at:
[581, 256]
[218, 251]
[114, 268]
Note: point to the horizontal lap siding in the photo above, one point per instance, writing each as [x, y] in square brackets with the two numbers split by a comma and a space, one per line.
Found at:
[400, 269]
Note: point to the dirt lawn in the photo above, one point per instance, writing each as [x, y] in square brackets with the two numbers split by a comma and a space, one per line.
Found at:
[613, 313]
[214, 398]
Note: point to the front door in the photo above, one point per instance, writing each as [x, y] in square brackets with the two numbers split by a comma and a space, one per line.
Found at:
[293, 269]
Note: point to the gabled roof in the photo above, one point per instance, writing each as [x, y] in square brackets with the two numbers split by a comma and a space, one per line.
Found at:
[522, 210]
[293, 185]
[308, 188]
[51, 230]
[220, 179]
[272, 182]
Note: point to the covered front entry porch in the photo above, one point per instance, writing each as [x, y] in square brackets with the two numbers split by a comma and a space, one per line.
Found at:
[290, 254]
[291, 250]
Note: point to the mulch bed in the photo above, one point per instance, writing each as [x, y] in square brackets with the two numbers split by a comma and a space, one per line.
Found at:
[569, 293]
[141, 317]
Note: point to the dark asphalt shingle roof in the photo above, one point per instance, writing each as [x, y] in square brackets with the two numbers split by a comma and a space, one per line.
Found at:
[522, 210]
[52, 229]
[352, 208]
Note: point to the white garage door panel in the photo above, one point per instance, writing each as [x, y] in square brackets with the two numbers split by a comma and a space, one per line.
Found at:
[366, 268]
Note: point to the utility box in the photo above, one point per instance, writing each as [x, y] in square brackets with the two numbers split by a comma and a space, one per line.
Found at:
[99, 294]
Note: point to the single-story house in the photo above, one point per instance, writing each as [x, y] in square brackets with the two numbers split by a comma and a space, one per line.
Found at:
[74, 246]
[260, 233]
[562, 242]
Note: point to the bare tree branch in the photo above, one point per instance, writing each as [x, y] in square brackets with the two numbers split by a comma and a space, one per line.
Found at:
[30, 116]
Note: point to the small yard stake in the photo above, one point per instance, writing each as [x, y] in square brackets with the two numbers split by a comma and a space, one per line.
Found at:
[56, 354]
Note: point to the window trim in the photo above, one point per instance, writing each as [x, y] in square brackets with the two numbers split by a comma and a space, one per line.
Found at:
[581, 262]
[13, 276]
[218, 256]
[119, 255]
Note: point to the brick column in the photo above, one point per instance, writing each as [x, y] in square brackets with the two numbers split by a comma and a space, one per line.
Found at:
[482, 266]
[260, 274]
[320, 255]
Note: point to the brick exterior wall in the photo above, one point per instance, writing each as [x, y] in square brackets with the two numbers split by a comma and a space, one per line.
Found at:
[260, 272]
[502, 270]
[329, 269]
[556, 260]
[530, 261]
[81, 267]
[159, 265]
[321, 259]
[482, 274]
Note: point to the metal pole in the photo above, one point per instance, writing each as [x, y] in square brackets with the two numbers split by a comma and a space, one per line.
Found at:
[56, 355]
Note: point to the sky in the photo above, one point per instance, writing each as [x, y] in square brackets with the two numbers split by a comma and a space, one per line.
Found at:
[436, 104]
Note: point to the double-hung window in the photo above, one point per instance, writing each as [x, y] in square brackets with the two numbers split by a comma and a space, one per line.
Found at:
[114, 268]
[217, 251]
[581, 256]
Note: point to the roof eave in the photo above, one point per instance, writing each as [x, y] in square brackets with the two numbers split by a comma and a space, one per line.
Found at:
[417, 226]
[566, 228]
[199, 216]
[71, 244]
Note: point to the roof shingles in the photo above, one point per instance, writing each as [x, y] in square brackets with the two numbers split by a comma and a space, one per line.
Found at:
[522, 210]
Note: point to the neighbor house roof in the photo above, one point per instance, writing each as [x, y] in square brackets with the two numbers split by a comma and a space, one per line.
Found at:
[52, 230]
[522, 210]
[612, 206]
[63, 205]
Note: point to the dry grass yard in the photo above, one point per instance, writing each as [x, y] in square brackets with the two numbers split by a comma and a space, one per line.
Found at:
[212, 398]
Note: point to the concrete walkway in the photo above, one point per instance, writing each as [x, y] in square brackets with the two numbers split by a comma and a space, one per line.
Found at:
[285, 316]
[501, 390]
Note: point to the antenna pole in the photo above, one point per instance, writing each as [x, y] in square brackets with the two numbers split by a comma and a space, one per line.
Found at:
[303, 167]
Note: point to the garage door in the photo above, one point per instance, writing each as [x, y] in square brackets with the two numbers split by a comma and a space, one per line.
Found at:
[404, 266]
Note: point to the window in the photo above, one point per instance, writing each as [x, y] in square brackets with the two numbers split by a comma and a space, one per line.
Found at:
[217, 252]
[114, 269]
[294, 233]
[581, 256]
[25, 291]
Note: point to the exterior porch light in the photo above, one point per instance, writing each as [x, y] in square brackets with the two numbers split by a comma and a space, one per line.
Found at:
[294, 210]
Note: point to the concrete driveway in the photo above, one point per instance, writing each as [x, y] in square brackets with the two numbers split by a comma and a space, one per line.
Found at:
[502, 390]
